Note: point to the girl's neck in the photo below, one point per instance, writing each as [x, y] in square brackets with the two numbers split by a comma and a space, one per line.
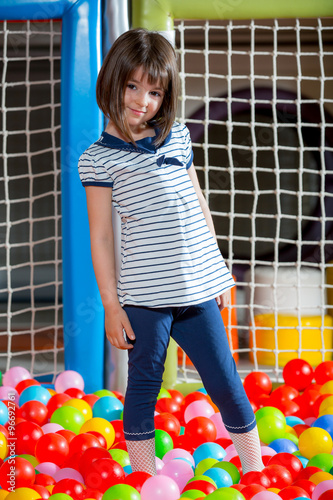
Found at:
[142, 133]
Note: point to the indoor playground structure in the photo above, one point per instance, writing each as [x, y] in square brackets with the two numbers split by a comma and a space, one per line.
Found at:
[257, 97]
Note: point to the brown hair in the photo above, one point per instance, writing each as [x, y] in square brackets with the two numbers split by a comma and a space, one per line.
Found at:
[134, 49]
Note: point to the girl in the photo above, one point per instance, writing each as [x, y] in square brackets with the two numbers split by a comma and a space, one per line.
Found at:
[173, 279]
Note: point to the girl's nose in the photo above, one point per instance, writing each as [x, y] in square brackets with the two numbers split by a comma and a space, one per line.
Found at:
[143, 99]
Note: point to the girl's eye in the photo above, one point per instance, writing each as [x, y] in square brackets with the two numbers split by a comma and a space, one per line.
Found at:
[131, 86]
[155, 94]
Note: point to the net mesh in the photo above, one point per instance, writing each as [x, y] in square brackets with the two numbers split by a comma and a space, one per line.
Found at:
[257, 97]
[30, 214]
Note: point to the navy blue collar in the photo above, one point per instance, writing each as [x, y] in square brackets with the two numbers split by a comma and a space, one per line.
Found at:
[145, 145]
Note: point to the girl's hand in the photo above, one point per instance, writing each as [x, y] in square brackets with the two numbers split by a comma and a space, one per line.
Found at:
[224, 300]
[117, 326]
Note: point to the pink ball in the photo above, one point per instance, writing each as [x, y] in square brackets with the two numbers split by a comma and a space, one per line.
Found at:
[67, 380]
[179, 470]
[48, 468]
[321, 488]
[160, 488]
[178, 453]
[8, 393]
[14, 375]
[266, 451]
[198, 409]
[68, 473]
[220, 428]
[46, 428]
[266, 495]
[230, 453]
[159, 465]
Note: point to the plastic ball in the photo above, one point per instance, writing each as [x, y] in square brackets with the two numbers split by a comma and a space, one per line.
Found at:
[68, 379]
[283, 445]
[167, 405]
[69, 418]
[178, 453]
[89, 456]
[104, 473]
[290, 462]
[70, 487]
[322, 488]
[257, 384]
[271, 427]
[14, 375]
[34, 393]
[137, 479]
[221, 431]
[221, 477]
[60, 496]
[200, 430]
[298, 373]
[279, 476]
[255, 477]
[319, 477]
[163, 443]
[108, 407]
[3, 446]
[27, 435]
[231, 469]
[293, 492]
[8, 393]
[3, 413]
[198, 409]
[53, 448]
[102, 426]
[205, 485]
[325, 422]
[179, 470]
[80, 405]
[314, 441]
[323, 461]
[324, 372]
[266, 495]
[120, 456]
[82, 442]
[34, 411]
[226, 494]
[17, 472]
[68, 473]
[168, 423]
[208, 450]
[23, 494]
[121, 492]
[160, 488]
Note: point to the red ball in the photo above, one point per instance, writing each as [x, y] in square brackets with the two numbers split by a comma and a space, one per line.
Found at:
[307, 472]
[169, 423]
[299, 428]
[72, 461]
[289, 461]
[44, 479]
[52, 447]
[195, 396]
[104, 473]
[118, 427]
[183, 442]
[34, 411]
[43, 492]
[307, 485]
[200, 430]
[252, 489]
[327, 495]
[74, 392]
[255, 477]
[120, 446]
[100, 437]
[176, 396]
[55, 402]
[137, 479]
[298, 373]
[71, 487]
[167, 405]
[256, 384]
[16, 472]
[291, 492]
[82, 442]
[324, 372]
[23, 384]
[283, 393]
[67, 434]
[90, 493]
[90, 399]
[27, 435]
[89, 456]
[200, 485]
[279, 476]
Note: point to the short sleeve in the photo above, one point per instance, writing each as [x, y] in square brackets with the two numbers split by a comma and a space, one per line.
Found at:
[188, 148]
[93, 171]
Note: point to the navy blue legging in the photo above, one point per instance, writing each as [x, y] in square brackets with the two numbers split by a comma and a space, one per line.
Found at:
[200, 332]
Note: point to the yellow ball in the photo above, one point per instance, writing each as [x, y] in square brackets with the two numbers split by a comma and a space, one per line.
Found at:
[291, 430]
[3, 494]
[3, 446]
[80, 405]
[102, 426]
[204, 465]
[274, 490]
[318, 477]
[52, 391]
[313, 441]
[327, 388]
[326, 411]
[23, 494]
[325, 404]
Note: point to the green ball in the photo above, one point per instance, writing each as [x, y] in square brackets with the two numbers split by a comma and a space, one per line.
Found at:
[225, 493]
[120, 456]
[60, 496]
[323, 460]
[163, 443]
[204, 465]
[69, 418]
[271, 427]
[121, 492]
[231, 469]
[269, 411]
[33, 460]
[291, 437]
[103, 392]
[193, 494]
[163, 393]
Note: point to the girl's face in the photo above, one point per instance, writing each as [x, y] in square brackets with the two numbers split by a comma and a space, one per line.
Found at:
[142, 101]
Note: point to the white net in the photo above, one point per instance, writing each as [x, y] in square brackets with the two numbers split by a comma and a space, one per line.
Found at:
[30, 215]
[258, 99]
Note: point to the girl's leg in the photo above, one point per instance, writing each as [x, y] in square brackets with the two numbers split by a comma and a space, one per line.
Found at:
[145, 370]
[199, 330]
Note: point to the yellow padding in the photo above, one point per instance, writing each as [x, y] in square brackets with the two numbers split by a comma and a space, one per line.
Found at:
[287, 337]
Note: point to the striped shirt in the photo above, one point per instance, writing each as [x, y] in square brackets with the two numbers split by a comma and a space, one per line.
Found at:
[168, 255]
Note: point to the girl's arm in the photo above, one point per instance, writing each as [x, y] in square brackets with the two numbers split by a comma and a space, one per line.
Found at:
[102, 251]
[224, 299]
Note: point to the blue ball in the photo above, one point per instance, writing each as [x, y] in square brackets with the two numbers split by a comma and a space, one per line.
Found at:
[283, 445]
[208, 450]
[292, 420]
[221, 477]
[108, 407]
[4, 414]
[324, 422]
[302, 459]
[34, 393]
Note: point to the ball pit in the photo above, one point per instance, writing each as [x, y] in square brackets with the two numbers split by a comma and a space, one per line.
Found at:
[70, 445]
